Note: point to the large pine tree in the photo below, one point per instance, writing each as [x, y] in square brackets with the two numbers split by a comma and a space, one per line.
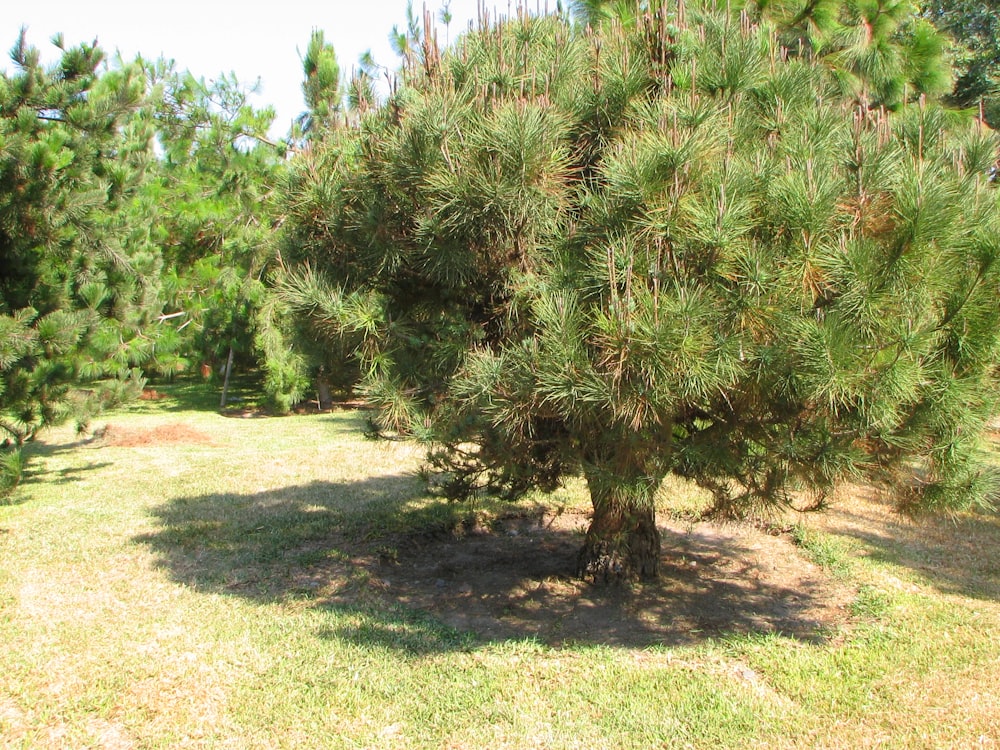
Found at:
[668, 244]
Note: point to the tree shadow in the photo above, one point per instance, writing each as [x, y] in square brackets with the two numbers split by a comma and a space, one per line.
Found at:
[195, 394]
[36, 469]
[416, 574]
[276, 543]
[714, 582]
[956, 554]
[66, 475]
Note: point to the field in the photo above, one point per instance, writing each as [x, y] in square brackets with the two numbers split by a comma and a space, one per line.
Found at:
[180, 578]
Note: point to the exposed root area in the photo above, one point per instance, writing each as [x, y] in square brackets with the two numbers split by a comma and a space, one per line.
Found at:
[517, 580]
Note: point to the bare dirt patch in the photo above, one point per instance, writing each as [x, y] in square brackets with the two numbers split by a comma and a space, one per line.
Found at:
[514, 580]
[506, 574]
[173, 434]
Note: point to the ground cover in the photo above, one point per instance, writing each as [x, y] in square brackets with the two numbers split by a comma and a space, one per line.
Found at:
[181, 578]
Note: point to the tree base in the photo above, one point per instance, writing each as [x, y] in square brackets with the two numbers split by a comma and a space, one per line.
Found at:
[620, 548]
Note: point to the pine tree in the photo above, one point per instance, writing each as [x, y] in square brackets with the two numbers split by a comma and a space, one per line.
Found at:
[974, 27]
[299, 358]
[667, 246]
[79, 290]
[321, 87]
[210, 199]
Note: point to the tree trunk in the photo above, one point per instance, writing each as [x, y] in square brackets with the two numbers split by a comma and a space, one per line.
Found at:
[225, 382]
[622, 542]
[324, 397]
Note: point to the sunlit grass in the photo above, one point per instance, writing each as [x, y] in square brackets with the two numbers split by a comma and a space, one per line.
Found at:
[204, 594]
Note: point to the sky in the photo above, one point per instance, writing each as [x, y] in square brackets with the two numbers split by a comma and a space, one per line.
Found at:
[253, 40]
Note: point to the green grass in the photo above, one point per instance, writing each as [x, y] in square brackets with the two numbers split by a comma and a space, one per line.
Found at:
[826, 550]
[207, 594]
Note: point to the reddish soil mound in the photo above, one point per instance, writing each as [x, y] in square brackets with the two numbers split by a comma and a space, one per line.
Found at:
[124, 437]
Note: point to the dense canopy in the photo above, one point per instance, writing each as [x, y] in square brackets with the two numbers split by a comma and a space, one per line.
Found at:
[666, 243]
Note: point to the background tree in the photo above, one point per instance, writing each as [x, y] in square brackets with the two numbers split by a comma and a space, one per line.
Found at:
[321, 86]
[211, 195]
[407, 42]
[297, 359]
[879, 51]
[79, 269]
[974, 26]
[123, 187]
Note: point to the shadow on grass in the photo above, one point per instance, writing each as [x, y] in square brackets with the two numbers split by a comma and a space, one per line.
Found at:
[954, 554]
[68, 475]
[192, 393]
[408, 572]
[399, 628]
[271, 544]
[36, 452]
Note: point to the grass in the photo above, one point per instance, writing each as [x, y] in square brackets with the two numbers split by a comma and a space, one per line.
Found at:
[829, 551]
[205, 593]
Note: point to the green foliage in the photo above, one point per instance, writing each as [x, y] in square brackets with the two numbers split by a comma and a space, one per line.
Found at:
[974, 29]
[878, 51]
[406, 42]
[669, 245]
[11, 471]
[210, 203]
[133, 229]
[79, 287]
[321, 87]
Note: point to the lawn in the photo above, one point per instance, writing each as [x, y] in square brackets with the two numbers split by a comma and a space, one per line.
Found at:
[180, 578]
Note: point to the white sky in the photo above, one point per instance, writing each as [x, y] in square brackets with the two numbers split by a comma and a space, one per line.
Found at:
[252, 39]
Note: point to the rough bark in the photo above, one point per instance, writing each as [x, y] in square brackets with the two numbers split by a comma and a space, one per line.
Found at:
[620, 547]
[622, 542]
